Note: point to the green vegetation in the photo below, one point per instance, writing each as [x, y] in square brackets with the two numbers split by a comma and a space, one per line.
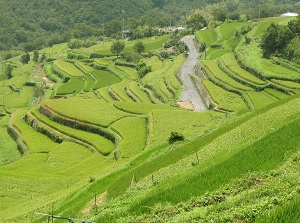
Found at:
[81, 126]
[104, 78]
[68, 68]
[133, 130]
[92, 111]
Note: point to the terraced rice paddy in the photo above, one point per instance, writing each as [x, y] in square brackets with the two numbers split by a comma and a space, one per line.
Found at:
[104, 132]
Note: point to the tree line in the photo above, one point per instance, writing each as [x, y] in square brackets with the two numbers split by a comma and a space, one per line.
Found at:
[29, 25]
[282, 40]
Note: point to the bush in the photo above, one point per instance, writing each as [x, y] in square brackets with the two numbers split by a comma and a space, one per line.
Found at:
[144, 70]
[130, 56]
[125, 64]
[96, 55]
[175, 136]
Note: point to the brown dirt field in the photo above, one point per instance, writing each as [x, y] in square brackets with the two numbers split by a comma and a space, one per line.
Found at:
[100, 200]
[187, 105]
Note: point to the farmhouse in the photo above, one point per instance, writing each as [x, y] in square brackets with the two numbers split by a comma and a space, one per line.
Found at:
[289, 14]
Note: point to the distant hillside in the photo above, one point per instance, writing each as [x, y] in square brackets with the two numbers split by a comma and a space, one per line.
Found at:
[33, 23]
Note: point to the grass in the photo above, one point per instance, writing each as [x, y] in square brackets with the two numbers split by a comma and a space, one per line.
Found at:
[277, 94]
[104, 94]
[252, 126]
[68, 68]
[19, 99]
[92, 111]
[141, 95]
[85, 67]
[141, 108]
[74, 85]
[89, 83]
[104, 78]
[131, 72]
[8, 148]
[231, 63]
[219, 173]
[150, 44]
[260, 99]
[288, 84]
[188, 123]
[102, 61]
[212, 65]
[103, 145]
[288, 212]
[226, 31]
[32, 138]
[120, 90]
[250, 55]
[133, 130]
[207, 36]
[226, 100]
[41, 179]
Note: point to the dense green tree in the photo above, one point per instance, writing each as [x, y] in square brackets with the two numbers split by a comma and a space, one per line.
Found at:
[43, 57]
[36, 23]
[8, 71]
[292, 50]
[117, 47]
[25, 58]
[196, 21]
[35, 56]
[139, 47]
[294, 25]
[268, 43]
[275, 39]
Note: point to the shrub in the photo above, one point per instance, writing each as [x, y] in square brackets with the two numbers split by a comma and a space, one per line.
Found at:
[175, 136]
[144, 70]
[96, 55]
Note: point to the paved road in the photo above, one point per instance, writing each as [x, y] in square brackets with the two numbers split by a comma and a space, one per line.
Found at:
[189, 91]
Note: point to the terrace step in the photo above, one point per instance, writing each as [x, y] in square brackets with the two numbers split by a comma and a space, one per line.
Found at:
[132, 95]
[54, 133]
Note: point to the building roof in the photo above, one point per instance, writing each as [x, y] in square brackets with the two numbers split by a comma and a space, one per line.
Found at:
[290, 14]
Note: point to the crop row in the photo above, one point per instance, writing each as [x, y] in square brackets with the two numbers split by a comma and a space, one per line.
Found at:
[72, 86]
[103, 145]
[133, 131]
[226, 100]
[221, 168]
[77, 124]
[212, 65]
[92, 111]
[67, 68]
[230, 136]
[231, 63]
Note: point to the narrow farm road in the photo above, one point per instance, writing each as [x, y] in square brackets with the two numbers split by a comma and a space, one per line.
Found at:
[190, 93]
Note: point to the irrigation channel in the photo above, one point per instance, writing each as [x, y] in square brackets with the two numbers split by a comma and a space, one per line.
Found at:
[190, 93]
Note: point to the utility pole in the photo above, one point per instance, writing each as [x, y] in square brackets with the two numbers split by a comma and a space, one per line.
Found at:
[123, 23]
[102, 34]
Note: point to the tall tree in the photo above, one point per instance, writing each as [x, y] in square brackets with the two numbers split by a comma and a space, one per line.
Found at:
[25, 58]
[139, 47]
[268, 43]
[35, 56]
[117, 47]
[8, 71]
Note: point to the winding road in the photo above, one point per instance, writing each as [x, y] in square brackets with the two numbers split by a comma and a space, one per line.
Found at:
[190, 93]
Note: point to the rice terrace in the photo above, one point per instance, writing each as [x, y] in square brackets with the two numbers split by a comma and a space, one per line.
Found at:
[135, 117]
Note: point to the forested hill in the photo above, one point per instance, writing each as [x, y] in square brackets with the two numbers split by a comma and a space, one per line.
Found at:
[32, 24]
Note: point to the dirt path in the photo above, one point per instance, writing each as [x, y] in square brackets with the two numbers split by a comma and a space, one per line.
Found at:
[190, 93]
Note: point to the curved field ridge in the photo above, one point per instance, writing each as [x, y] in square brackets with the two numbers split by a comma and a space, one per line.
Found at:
[133, 131]
[93, 111]
[259, 144]
[68, 68]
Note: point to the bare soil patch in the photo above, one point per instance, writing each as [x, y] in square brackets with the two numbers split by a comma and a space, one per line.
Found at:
[187, 105]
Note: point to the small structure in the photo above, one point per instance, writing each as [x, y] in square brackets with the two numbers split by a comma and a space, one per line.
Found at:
[172, 29]
[289, 14]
